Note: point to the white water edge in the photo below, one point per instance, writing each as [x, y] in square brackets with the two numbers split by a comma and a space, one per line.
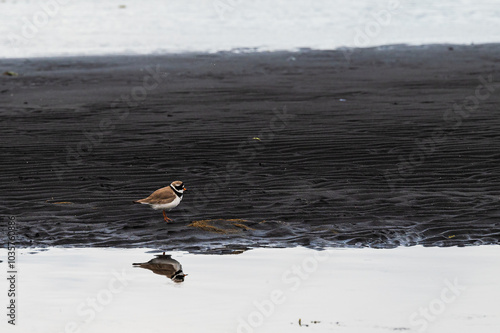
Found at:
[31, 28]
[410, 289]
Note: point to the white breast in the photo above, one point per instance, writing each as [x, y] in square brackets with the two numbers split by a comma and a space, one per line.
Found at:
[168, 206]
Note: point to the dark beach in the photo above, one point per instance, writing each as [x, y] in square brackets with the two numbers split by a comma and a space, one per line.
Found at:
[375, 147]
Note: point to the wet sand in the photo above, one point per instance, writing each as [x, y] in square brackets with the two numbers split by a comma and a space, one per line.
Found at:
[408, 289]
[375, 147]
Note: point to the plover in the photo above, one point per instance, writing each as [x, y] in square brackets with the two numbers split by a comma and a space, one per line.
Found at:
[165, 198]
[165, 265]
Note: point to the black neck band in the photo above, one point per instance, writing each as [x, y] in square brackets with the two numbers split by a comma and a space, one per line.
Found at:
[179, 194]
[177, 273]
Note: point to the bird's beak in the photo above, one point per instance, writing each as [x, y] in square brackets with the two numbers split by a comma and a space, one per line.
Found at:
[185, 189]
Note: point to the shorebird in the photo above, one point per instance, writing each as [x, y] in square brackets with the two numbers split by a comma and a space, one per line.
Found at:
[165, 198]
[164, 265]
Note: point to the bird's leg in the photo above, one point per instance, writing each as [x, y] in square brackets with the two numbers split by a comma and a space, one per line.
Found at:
[166, 218]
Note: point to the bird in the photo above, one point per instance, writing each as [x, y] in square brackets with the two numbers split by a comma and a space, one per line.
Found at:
[165, 198]
[164, 265]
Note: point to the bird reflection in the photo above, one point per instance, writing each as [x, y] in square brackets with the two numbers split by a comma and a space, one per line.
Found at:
[163, 264]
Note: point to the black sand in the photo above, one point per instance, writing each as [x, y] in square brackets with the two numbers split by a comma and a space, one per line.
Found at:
[357, 148]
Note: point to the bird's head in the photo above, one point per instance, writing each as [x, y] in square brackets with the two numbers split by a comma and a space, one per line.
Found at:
[178, 186]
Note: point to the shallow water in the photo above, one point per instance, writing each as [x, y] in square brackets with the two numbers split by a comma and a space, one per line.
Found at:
[94, 27]
[262, 290]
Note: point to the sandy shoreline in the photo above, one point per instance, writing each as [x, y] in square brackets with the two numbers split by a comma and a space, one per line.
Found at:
[315, 148]
[410, 289]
